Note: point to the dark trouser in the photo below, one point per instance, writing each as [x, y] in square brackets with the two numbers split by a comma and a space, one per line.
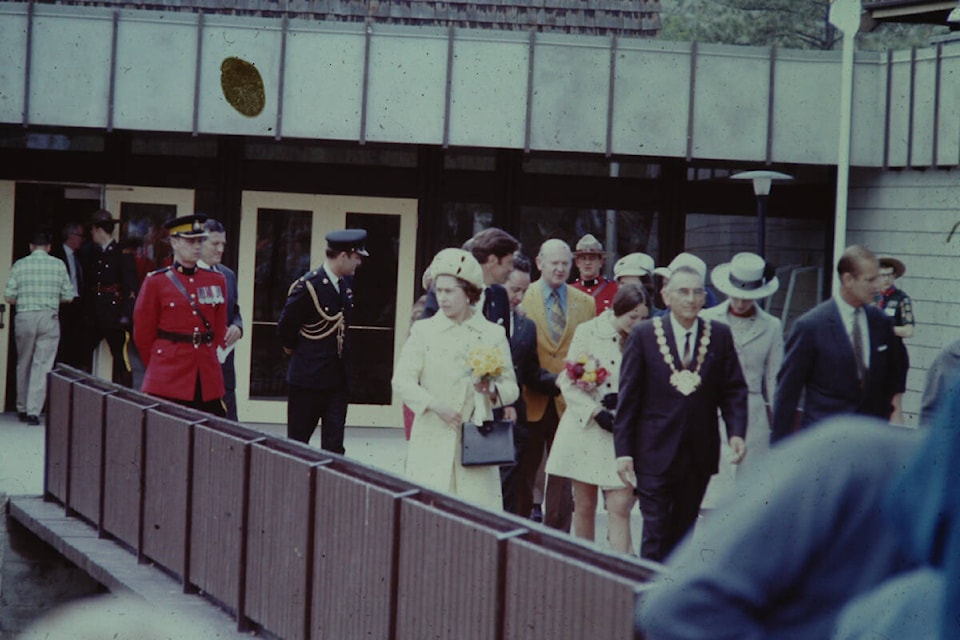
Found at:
[73, 349]
[214, 406]
[117, 340]
[558, 498]
[670, 505]
[230, 387]
[305, 407]
[510, 474]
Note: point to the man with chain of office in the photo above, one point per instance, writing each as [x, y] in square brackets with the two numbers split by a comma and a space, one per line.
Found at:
[313, 330]
[678, 370]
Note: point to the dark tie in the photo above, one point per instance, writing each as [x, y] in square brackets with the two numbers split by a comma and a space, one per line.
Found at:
[857, 336]
[77, 272]
[686, 351]
[555, 317]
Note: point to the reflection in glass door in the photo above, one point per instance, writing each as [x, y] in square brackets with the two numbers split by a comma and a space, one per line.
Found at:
[282, 237]
[142, 212]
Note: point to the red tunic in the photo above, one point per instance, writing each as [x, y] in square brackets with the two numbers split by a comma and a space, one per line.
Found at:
[173, 366]
[603, 292]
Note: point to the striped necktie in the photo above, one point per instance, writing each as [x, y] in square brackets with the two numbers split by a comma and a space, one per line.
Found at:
[555, 317]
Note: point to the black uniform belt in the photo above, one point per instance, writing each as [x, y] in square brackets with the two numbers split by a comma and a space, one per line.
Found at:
[196, 338]
[108, 288]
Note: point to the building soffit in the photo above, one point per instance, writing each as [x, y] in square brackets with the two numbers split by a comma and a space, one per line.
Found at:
[170, 72]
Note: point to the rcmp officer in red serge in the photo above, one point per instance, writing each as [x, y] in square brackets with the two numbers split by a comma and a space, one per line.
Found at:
[313, 331]
[179, 319]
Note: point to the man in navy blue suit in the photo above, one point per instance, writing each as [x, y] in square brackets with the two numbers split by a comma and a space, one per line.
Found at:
[211, 257]
[493, 248]
[841, 355]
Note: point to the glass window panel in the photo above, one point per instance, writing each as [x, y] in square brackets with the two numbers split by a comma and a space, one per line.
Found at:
[283, 255]
[373, 325]
[141, 229]
[632, 230]
[461, 220]
[268, 371]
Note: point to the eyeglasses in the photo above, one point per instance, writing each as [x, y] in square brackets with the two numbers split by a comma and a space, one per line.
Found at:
[686, 293]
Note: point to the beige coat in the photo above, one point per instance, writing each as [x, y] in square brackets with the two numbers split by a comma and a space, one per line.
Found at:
[433, 367]
[582, 450]
[580, 308]
[759, 344]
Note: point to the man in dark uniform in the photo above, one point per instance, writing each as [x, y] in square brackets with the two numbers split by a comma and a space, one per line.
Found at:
[110, 280]
[898, 307]
[313, 331]
[179, 319]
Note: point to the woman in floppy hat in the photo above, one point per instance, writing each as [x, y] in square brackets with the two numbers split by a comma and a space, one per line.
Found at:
[898, 307]
[434, 379]
[757, 335]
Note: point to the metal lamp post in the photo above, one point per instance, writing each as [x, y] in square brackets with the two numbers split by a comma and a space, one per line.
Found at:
[762, 180]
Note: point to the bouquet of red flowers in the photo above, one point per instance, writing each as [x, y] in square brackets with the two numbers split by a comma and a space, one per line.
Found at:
[585, 372]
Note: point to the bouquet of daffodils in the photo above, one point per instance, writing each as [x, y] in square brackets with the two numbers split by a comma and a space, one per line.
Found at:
[485, 363]
[585, 372]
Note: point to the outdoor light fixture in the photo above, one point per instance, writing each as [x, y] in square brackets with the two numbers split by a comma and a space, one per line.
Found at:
[762, 181]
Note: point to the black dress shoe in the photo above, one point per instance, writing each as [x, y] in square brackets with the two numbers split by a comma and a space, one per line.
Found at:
[33, 420]
[537, 513]
[22, 416]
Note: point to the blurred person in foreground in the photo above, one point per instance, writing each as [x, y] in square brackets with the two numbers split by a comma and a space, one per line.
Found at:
[806, 533]
[434, 378]
[583, 447]
[924, 512]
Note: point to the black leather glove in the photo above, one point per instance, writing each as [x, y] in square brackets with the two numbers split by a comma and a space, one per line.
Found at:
[605, 420]
[609, 402]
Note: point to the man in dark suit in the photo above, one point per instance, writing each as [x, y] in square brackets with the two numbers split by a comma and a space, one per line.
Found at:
[493, 248]
[211, 257]
[526, 366]
[841, 354]
[73, 349]
[111, 286]
[677, 371]
[313, 330]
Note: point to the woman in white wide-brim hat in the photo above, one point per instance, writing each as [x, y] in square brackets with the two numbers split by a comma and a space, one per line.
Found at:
[433, 378]
[757, 335]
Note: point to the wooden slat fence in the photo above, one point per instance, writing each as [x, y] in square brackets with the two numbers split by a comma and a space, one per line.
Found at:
[303, 544]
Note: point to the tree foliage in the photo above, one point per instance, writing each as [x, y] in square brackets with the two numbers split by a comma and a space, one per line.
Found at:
[792, 24]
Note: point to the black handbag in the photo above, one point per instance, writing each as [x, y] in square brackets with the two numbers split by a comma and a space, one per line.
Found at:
[489, 443]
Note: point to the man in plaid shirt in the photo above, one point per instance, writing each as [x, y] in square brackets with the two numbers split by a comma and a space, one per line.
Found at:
[38, 284]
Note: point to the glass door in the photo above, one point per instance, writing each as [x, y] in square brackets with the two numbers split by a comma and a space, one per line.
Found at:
[142, 212]
[281, 238]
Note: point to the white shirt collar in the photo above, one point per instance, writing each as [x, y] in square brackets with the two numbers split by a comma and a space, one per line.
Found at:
[335, 279]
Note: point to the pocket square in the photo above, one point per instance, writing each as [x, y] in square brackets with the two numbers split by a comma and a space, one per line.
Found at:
[882, 347]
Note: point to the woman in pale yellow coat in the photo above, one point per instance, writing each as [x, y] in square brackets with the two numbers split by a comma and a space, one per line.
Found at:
[432, 377]
[583, 447]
